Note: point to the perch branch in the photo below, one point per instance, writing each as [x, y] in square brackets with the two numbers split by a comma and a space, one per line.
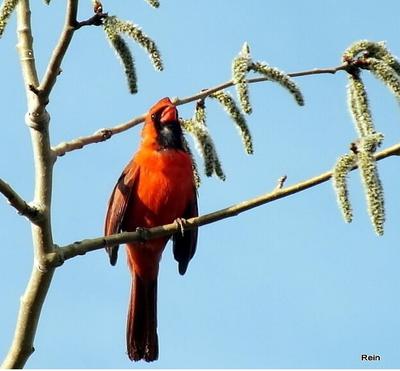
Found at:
[17, 202]
[104, 134]
[85, 246]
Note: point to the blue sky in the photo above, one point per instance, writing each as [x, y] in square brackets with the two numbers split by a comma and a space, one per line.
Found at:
[287, 285]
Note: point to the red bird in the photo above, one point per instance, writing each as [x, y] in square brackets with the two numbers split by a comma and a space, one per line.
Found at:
[155, 188]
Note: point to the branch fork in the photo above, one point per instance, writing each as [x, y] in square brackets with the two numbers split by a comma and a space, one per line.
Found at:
[16, 201]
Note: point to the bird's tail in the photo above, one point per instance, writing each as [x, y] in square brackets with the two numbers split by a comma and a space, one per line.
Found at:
[141, 331]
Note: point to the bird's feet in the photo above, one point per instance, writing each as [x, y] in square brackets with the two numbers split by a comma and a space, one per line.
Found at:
[143, 234]
[181, 223]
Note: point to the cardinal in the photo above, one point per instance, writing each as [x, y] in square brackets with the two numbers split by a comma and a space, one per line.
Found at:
[155, 188]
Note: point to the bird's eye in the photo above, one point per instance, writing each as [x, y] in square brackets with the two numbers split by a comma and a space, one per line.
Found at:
[153, 116]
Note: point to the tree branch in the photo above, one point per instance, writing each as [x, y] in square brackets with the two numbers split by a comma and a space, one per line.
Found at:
[82, 247]
[206, 92]
[104, 134]
[28, 317]
[37, 120]
[54, 67]
[17, 202]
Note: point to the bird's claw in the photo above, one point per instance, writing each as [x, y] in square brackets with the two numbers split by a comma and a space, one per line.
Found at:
[142, 234]
[181, 222]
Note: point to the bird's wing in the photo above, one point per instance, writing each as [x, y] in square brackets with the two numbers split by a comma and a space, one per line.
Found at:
[184, 246]
[117, 205]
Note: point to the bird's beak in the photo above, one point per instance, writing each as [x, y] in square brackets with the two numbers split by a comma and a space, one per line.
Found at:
[169, 114]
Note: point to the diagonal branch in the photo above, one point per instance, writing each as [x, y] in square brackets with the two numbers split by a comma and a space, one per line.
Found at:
[99, 136]
[17, 202]
[104, 134]
[54, 67]
[82, 247]
[206, 92]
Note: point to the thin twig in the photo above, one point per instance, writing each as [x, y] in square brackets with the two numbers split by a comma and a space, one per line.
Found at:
[281, 182]
[96, 20]
[82, 247]
[54, 66]
[206, 92]
[16, 201]
[78, 143]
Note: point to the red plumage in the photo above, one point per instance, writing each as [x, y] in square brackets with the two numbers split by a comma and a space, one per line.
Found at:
[155, 188]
